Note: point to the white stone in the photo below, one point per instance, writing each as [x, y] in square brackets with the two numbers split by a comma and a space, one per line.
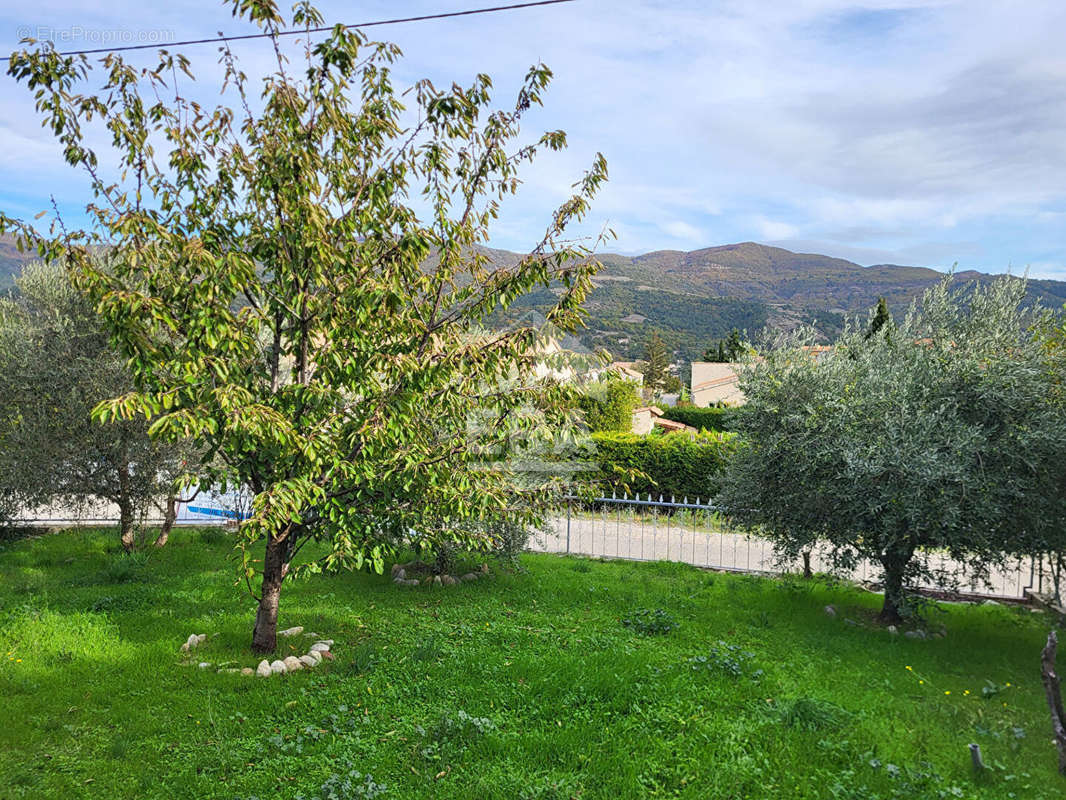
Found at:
[315, 656]
[319, 647]
[277, 667]
[309, 662]
[203, 665]
[185, 647]
[292, 664]
[292, 631]
[325, 641]
[263, 670]
[191, 642]
[249, 671]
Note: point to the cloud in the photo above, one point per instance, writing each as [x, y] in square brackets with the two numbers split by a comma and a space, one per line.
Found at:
[683, 230]
[890, 130]
[773, 229]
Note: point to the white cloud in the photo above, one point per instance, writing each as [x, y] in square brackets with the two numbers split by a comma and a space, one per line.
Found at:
[774, 229]
[683, 230]
[900, 128]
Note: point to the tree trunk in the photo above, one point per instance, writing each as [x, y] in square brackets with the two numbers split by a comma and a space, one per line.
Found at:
[894, 565]
[1054, 697]
[125, 508]
[275, 566]
[170, 516]
[807, 564]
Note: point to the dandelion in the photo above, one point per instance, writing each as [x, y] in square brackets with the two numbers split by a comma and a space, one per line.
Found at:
[966, 692]
[18, 660]
[908, 667]
[921, 681]
[947, 691]
[1008, 683]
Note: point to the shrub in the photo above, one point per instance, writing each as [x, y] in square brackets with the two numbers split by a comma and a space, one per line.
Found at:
[650, 622]
[608, 405]
[673, 464]
[728, 658]
[712, 418]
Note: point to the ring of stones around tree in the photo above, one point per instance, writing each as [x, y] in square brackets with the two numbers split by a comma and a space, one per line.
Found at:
[320, 650]
[400, 571]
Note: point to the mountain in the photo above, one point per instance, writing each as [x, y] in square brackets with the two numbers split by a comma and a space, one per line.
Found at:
[696, 297]
[11, 261]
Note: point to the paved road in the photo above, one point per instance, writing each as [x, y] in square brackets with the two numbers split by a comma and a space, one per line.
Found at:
[617, 534]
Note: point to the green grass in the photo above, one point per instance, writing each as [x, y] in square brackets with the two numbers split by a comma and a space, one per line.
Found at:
[519, 686]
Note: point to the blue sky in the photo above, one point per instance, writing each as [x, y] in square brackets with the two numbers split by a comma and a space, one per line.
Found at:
[923, 133]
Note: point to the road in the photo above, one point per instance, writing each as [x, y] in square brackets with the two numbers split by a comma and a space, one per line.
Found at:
[619, 534]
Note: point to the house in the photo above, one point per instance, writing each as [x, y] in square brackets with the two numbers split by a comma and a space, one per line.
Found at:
[560, 359]
[715, 382]
[647, 418]
[817, 351]
[627, 370]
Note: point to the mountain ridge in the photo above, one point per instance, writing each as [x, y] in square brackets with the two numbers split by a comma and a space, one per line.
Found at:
[694, 297]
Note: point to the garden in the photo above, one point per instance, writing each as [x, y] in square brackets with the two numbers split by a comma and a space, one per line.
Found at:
[291, 300]
[571, 678]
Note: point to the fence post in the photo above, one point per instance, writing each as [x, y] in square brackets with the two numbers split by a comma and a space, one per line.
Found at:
[568, 502]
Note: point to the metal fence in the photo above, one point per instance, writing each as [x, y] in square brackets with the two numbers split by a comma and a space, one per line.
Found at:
[646, 529]
[213, 509]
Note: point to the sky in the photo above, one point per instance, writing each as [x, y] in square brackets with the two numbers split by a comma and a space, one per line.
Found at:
[917, 133]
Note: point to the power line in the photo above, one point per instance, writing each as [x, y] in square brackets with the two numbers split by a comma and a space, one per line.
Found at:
[324, 29]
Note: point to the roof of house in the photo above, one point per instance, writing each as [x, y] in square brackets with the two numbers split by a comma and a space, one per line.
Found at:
[626, 368]
[671, 424]
[723, 380]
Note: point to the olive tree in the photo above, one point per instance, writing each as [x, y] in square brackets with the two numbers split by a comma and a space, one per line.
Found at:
[298, 285]
[942, 433]
[56, 365]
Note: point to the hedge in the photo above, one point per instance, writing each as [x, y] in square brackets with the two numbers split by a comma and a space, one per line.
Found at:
[673, 464]
[608, 405]
[712, 418]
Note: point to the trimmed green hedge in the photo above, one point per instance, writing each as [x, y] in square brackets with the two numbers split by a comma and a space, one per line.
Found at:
[609, 404]
[712, 418]
[677, 464]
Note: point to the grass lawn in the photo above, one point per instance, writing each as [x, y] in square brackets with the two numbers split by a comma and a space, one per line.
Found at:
[518, 686]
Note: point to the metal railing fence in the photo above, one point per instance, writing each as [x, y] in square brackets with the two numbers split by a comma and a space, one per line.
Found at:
[692, 532]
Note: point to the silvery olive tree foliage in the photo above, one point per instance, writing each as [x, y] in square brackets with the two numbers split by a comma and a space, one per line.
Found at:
[296, 285]
[56, 365]
[942, 433]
